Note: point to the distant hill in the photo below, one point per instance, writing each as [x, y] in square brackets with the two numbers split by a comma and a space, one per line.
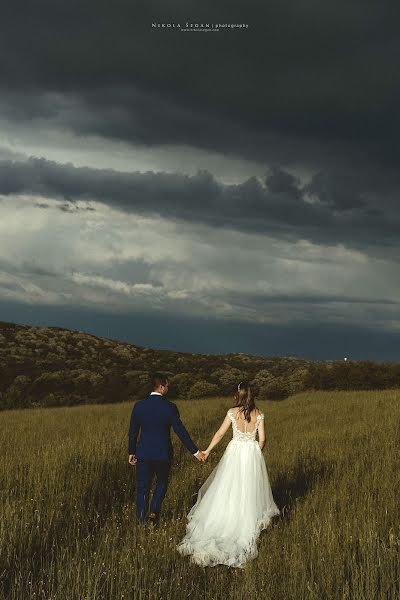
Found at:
[54, 366]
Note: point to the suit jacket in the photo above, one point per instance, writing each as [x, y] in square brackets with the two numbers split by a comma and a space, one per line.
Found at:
[153, 417]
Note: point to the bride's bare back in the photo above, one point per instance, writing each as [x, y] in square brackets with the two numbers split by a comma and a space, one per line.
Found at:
[243, 425]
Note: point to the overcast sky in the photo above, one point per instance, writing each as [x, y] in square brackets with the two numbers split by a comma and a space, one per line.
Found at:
[207, 191]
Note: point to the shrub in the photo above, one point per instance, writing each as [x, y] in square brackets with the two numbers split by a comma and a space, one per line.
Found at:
[276, 390]
[16, 395]
[228, 379]
[201, 389]
[296, 381]
[180, 385]
[261, 381]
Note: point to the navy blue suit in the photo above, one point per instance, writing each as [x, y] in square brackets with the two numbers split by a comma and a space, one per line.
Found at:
[153, 417]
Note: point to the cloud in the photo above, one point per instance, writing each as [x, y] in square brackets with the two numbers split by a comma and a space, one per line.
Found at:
[120, 262]
[280, 206]
[316, 86]
[144, 119]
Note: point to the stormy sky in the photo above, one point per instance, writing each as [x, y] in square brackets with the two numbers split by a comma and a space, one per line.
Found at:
[228, 190]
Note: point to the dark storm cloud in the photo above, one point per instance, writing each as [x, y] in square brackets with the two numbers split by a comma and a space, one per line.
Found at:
[322, 77]
[294, 298]
[148, 118]
[278, 207]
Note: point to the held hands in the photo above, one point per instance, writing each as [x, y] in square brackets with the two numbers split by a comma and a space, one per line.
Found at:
[132, 459]
[202, 456]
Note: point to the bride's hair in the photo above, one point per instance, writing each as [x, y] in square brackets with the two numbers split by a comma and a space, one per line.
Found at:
[244, 399]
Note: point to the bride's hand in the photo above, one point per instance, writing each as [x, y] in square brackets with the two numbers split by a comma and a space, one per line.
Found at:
[206, 453]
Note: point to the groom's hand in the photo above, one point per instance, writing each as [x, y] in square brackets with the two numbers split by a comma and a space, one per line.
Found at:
[201, 456]
[132, 459]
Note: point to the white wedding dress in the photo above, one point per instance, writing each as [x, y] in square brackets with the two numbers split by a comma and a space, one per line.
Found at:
[233, 506]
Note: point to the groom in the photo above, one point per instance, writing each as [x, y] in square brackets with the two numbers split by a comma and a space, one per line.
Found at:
[152, 454]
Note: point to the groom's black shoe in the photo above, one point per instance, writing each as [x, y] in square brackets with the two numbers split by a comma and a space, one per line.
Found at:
[153, 519]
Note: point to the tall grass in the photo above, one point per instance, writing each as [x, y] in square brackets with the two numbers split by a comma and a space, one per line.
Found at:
[68, 528]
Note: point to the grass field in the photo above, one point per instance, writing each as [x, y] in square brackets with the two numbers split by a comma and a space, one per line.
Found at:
[68, 530]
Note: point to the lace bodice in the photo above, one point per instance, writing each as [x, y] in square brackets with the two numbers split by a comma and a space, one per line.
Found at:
[244, 436]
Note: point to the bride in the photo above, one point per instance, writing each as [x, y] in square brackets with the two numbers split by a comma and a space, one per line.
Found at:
[235, 503]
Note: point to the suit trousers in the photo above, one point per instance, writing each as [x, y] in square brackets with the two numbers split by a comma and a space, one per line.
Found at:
[145, 471]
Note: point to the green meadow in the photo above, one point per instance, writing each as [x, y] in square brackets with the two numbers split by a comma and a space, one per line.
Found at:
[68, 529]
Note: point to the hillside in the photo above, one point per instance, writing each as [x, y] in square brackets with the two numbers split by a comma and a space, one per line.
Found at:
[53, 366]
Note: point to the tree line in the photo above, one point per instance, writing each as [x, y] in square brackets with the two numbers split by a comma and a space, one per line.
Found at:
[53, 366]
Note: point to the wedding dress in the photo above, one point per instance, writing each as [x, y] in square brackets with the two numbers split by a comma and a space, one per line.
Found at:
[233, 506]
